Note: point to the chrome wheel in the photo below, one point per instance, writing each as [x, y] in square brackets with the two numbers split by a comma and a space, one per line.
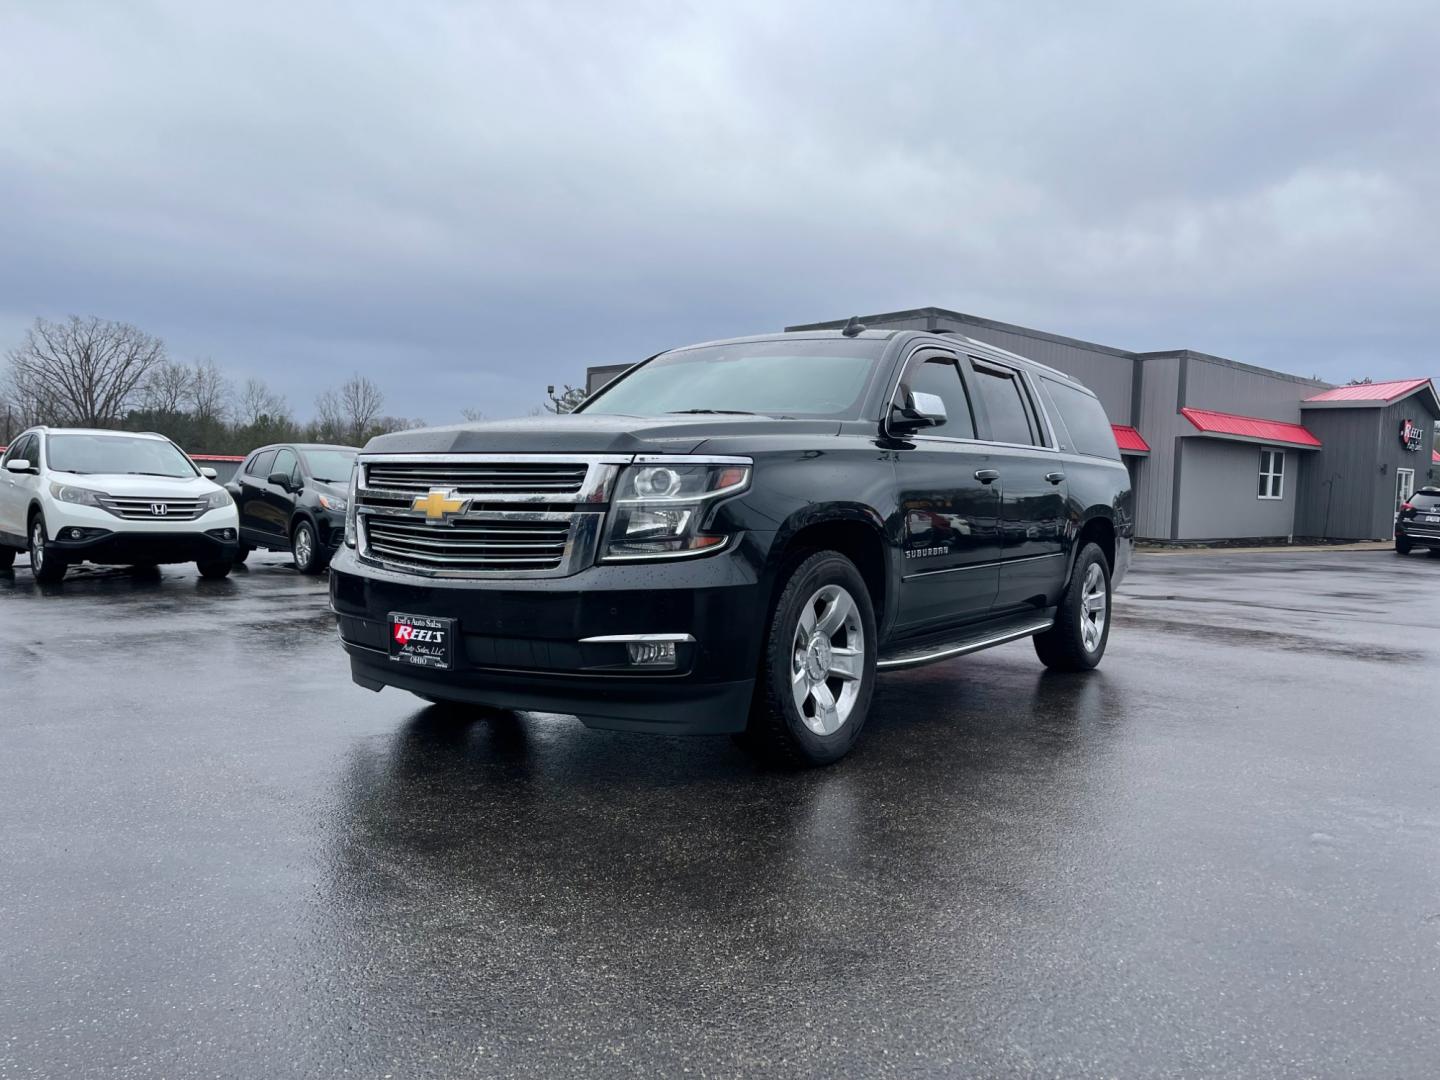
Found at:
[1094, 607]
[304, 547]
[827, 659]
[37, 546]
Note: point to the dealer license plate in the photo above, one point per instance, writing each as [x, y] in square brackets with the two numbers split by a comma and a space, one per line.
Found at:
[422, 640]
[1431, 519]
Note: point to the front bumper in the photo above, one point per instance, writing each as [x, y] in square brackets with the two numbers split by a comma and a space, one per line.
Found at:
[519, 643]
[133, 546]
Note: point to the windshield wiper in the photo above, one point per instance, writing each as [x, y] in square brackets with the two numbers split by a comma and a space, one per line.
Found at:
[137, 472]
[716, 412]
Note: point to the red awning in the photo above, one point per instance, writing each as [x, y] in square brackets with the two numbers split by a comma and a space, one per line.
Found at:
[1129, 440]
[217, 457]
[1251, 429]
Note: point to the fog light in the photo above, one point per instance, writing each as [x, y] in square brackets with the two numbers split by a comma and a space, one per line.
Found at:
[223, 535]
[76, 534]
[651, 653]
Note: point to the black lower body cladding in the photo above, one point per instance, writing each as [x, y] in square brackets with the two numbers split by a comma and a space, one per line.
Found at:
[520, 643]
[125, 548]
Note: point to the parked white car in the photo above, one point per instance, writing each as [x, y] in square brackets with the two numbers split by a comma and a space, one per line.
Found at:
[70, 495]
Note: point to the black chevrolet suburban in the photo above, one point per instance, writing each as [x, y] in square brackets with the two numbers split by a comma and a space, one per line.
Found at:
[739, 536]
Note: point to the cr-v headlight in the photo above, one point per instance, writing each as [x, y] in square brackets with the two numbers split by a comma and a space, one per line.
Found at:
[661, 509]
[214, 500]
[71, 494]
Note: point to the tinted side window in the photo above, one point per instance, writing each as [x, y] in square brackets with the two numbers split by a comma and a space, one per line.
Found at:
[1085, 419]
[15, 448]
[285, 462]
[26, 448]
[260, 466]
[940, 375]
[1004, 400]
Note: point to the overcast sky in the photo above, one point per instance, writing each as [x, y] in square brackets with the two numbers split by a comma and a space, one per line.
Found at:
[469, 201]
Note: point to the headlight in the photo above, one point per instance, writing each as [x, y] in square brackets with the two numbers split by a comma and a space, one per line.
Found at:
[71, 494]
[333, 503]
[351, 537]
[214, 500]
[661, 510]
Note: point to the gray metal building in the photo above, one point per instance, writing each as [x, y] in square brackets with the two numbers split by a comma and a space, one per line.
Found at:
[1220, 450]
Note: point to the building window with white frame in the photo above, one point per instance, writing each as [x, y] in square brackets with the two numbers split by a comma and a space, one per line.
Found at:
[1272, 473]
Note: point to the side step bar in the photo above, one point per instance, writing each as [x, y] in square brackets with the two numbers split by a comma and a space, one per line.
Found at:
[913, 654]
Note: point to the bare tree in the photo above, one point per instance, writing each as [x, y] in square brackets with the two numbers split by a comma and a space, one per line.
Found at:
[360, 403]
[472, 416]
[209, 393]
[168, 388]
[85, 372]
[566, 401]
[259, 404]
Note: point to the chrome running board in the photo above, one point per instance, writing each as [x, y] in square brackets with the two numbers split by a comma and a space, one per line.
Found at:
[914, 654]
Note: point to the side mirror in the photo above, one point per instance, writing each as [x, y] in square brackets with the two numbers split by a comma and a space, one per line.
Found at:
[18, 464]
[279, 479]
[920, 411]
[209, 474]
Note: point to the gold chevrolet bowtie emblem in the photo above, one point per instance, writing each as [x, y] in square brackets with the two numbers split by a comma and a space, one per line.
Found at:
[440, 504]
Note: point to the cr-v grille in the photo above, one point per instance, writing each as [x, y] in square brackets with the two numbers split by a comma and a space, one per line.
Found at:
[488, 478]
[494, 544]
[138, 508]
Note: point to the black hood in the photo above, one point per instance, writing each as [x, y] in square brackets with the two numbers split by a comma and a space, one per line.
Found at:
[585, 434]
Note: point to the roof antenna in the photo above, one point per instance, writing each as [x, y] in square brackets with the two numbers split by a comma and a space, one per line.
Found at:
[853, 327]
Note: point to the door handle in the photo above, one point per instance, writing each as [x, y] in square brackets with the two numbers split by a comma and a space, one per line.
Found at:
[1055, 477]
[987, 476]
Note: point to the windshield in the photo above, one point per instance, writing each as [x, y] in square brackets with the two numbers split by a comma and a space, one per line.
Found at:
[773, 378]
[116, 454]
[329, 466]
[1425, 500]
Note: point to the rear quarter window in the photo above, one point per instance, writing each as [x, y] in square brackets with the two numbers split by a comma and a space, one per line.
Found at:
[1085, 420]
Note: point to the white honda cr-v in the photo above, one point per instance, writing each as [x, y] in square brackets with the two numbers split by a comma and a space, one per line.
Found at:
[70, 495]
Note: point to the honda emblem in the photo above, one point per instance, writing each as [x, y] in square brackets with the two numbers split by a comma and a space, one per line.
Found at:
[159, 509]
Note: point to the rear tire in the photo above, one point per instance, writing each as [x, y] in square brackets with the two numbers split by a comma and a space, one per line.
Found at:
[7, 557]
[213, 571]
[1403, 545]
[817, 672]
[1082, 622]
[48, 567]
[243, 553]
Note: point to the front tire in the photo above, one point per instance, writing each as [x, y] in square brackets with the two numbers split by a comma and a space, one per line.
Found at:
[817, 672]
[1082, 622]
[48, 567]
[213, 571]
[306, 549]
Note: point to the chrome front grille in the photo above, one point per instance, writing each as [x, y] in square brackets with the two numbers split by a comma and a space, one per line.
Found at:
[481, 478]
[497, 543]
[138, 508]
[489, 515]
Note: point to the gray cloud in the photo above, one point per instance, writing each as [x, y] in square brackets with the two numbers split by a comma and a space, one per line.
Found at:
[470, 201]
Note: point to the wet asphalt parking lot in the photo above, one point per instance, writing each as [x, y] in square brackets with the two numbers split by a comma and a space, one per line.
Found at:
[1219, 855]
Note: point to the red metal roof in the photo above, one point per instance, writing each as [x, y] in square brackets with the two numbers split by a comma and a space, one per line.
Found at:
[1380, 391]
[217, 457]
[1130, 439]
[1250, 427]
